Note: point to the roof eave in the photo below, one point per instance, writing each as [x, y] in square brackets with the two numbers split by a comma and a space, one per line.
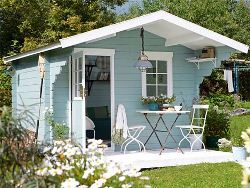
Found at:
[49, 47]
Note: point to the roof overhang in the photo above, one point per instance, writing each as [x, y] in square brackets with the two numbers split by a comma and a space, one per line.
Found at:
[174, 29]
[32, 52]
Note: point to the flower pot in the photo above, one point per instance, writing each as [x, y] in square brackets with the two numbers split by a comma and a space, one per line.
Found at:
[239, 153]
[198, 144]
[153, 106]
[212, 142]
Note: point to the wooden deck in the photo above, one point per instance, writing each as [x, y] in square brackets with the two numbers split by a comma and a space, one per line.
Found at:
[152, 159]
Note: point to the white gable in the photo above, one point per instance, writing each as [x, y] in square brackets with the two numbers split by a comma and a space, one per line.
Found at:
[174, 29]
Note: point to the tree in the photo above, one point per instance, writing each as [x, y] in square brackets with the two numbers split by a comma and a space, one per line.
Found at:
[27, 24]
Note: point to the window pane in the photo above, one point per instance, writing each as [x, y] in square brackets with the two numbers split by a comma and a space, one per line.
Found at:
[162, 78]
[80, 64]
[80, 77]
[75, 91]
[151, 79]
[162, 67]
[76, 78]
[151, 90]
[152, 70]
[162, 90]
[75, 64]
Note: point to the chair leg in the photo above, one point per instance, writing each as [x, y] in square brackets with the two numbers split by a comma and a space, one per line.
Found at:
[125, 141]
[185, 137]
[198, 138]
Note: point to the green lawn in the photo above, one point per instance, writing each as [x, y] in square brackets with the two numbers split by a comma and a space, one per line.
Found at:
[204, 175]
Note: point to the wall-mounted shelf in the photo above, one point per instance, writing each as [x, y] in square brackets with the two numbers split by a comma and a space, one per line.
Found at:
[197, 61]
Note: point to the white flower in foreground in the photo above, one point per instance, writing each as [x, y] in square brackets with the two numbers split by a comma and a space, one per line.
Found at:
[42, 172]
[122, 178]
[98, 183]
[82, 186]
[88, 172]
[144, 178]
[126, 185]
[69, 183]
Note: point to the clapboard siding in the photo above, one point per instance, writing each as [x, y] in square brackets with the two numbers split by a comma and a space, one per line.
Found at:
[127, 46]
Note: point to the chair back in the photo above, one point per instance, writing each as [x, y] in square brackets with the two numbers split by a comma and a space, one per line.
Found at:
[199, 115]
[89, 124]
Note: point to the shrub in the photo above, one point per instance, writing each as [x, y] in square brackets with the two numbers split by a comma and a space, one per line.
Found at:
[60, 130]
[217, 123]
[18, 151]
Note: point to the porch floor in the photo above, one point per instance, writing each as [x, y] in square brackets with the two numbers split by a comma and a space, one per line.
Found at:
[170, 157]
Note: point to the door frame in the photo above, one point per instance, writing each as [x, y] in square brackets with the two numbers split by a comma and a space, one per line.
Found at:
[95, 52]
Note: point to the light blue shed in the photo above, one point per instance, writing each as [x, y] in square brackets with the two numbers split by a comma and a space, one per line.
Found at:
[100, 63]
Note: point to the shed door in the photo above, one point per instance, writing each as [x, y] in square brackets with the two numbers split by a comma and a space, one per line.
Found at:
[78, 126]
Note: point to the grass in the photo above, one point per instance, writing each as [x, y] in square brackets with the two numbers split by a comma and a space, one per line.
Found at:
[218, 175]
[243, 120]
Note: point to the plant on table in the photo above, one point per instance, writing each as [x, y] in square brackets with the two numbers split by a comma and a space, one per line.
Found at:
[60, 130]
[162, 99]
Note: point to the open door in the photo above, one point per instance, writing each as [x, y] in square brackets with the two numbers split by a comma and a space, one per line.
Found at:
[78, 126]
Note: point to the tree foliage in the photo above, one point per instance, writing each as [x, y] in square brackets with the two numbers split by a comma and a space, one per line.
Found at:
[27, 24]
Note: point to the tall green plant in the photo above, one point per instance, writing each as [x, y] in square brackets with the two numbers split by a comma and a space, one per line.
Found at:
[18, 151]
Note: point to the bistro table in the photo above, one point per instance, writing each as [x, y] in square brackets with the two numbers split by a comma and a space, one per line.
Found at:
[160, 118]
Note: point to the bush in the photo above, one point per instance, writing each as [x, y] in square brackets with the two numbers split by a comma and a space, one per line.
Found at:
[221, 100]
[217, 123]
[18, 150]
[65, 164]
[60, 130]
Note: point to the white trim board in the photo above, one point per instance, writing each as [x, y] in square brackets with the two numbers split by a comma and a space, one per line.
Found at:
[169, 19]
[150, 22]
[160, 56]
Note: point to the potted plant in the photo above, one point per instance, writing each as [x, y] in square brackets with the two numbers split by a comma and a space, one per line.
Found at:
[151, 101]
[155, 102]
[225, 145]
[239, 151]
[217, 126]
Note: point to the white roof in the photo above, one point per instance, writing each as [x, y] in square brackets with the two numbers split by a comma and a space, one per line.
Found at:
[174, 29]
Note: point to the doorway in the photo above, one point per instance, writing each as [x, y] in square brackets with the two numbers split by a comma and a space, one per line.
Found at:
[92, 94]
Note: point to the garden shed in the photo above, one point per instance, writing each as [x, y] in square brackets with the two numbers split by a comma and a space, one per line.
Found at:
[92, 72]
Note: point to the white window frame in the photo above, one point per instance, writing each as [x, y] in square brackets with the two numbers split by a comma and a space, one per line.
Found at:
[160, 56]
[79, 82]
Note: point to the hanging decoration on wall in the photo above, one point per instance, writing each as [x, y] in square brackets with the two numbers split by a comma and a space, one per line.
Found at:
[143, 63]
[41, 66]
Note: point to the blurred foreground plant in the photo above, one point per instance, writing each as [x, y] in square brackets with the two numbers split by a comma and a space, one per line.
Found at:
[18, 150]
[68, 165]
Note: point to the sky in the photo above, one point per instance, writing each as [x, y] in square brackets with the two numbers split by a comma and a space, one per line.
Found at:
[125, 7]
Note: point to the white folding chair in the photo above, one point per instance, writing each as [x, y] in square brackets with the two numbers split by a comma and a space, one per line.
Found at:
[90, 125]
[198, 123]
[133, 132]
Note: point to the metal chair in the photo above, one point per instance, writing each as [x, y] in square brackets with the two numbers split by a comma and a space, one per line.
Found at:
[198, 123]
[132, 133]
[90, 125]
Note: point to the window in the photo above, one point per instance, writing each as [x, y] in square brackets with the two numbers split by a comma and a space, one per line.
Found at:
[158, 80]
[77, 77]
